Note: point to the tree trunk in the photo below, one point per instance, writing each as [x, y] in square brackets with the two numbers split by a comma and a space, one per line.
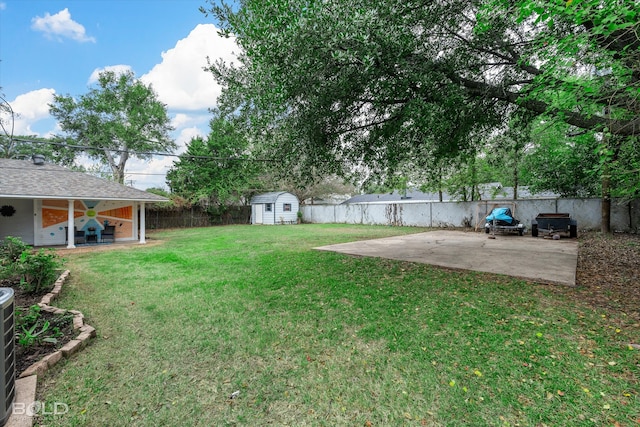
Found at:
[117, 168]
[612, 144]
[440, 184]
[515, 183]
[605, 226]
[118, 175]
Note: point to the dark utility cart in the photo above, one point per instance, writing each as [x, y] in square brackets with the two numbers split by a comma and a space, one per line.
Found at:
[554, 223]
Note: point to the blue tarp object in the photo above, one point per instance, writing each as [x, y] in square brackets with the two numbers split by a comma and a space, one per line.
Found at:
[502, 215]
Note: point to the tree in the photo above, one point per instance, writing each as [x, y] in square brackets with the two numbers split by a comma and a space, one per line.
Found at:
[119, 119]
[7, 124]
[216, 171]
[370, 83]
[55, 150]
[344, 84]
[516, 52]
[505, 151]
[310, 192]
[561, 162]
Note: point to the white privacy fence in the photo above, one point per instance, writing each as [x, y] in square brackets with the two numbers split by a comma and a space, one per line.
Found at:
[624, 216]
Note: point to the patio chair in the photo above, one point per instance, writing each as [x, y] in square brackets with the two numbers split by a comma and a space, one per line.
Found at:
[78, 236]
[109, 232]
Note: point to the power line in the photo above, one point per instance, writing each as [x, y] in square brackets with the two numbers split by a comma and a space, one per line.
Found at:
[141, 153]
[88, 171]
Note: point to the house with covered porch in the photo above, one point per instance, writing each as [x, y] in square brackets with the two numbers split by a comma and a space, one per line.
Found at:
[46, 205]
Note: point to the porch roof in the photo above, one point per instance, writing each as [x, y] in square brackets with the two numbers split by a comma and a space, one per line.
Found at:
[22, 179]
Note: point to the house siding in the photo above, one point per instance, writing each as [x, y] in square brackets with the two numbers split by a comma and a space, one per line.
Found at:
[282, 217]
[277, 215]
[20, 224]
[52, 215]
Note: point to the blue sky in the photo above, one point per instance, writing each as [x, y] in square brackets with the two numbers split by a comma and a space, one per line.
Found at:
[52, 47]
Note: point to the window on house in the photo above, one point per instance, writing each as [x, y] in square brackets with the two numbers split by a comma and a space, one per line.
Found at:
[267, 207]
[287, 207]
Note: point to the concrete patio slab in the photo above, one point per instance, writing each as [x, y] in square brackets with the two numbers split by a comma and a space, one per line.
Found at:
[534, 259]
[22, 416]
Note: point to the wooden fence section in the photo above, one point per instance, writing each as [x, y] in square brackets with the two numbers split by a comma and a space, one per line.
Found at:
[159, 217]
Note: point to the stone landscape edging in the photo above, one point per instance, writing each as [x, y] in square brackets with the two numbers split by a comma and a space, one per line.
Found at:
[86, 332]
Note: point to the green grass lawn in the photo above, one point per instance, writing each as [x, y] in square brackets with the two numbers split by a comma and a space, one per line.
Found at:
[322, 339]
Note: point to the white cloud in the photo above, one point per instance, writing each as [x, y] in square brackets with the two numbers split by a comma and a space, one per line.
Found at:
[152, 173]
[148, 173]
[116, 69]
[30, 109]
[186, 135]
[194, 120]
[60, 26]
[181, 120]
[180, 79]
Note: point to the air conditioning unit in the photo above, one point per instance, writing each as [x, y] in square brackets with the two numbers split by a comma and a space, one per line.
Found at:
[7, 358]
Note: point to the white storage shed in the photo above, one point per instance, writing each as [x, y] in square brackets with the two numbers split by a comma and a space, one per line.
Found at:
[278, 207]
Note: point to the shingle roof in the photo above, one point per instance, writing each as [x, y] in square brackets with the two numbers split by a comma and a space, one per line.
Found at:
[23, 179]
[267, 197]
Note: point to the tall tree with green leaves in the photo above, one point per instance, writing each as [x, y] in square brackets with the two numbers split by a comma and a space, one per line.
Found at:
[7, 123]
[562, 162]
[55, 150]
[118, 119]
[216, 171]
[505, 151]
[347, 84]
[369, 83]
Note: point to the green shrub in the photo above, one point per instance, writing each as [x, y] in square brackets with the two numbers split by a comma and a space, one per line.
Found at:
[11, 249]
[38, 271]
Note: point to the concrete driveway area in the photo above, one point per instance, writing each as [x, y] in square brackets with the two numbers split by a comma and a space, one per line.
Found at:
[535, 259]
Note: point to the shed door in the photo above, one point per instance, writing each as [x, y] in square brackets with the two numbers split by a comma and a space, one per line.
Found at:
[259, 209]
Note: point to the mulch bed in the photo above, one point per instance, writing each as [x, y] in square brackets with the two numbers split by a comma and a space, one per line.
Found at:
[608, 280]
[26, 356]
[608, 274]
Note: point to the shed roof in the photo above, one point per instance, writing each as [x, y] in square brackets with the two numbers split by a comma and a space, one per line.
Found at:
[25, 180]
[271, 197]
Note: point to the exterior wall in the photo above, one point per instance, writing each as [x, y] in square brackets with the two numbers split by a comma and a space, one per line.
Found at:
[277, 214]
[624, 216]
[267, 216]
[20, 224]
[254, 208]
[51, 218]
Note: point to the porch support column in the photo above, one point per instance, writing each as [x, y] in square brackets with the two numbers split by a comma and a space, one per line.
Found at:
[143, 221]
[71, 234]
